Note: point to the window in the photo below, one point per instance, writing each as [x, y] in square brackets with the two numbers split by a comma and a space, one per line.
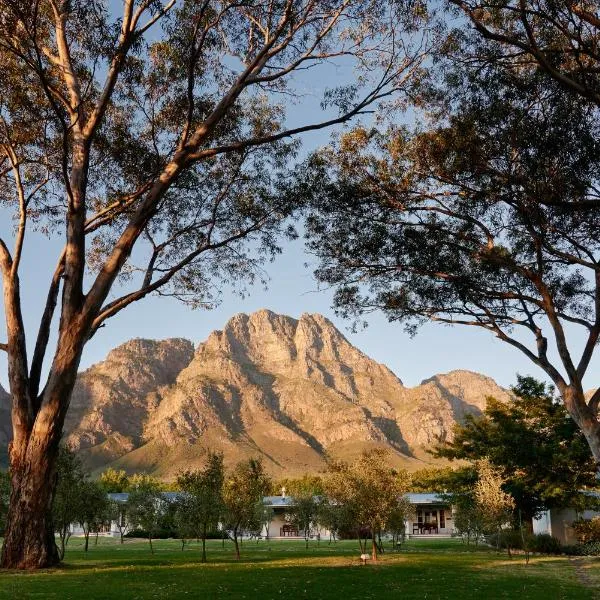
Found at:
[442, 518]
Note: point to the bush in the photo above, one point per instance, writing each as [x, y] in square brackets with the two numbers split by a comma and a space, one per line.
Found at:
[587, 530]
[507, 538]
[159, 534]
[588, 549]
[543, 543]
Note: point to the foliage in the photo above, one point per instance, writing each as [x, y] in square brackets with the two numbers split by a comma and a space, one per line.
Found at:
[587, 530]
[369, 490]
[94, 508]
[200, 505]
[493, 503]
[243, 490]
[146, 507]
[307, 484]
[544, 457]
[305, 513]
[484, 214]
[67, 502]
[114, 481]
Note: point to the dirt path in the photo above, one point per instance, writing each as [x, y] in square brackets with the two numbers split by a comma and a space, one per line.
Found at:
[583, 575]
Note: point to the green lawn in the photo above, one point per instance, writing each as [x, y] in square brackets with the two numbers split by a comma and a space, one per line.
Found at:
[423, 570]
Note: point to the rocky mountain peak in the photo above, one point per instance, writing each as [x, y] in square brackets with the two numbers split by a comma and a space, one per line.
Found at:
[292, 391]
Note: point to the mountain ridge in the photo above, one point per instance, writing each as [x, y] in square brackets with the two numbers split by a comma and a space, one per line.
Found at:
[292, 391]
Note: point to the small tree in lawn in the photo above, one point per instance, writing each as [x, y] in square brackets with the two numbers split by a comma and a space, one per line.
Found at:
[370, 491]
[118, 512]
[146, 507]
[265, 515]
[396, 522]
[304, 514]
[67, 500]
[93, 509]
[243, 489]
[202, 504]
[493, 503]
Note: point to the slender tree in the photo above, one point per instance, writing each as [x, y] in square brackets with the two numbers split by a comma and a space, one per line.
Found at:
[146, 507]
[67, 502]
[305, 513]
[93, 510]
[243, 489]
[202, 502]
[159, 129]
[370, 490]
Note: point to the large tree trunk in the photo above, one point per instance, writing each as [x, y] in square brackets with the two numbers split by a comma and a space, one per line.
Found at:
[29, 541]
[584, 416]
[29, 538]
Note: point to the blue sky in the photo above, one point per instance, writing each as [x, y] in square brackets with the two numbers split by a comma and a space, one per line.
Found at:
[292, 291]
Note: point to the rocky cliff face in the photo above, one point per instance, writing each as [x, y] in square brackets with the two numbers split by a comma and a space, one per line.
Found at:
[291, 391]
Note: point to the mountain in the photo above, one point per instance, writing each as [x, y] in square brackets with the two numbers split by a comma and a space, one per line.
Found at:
[292, 391]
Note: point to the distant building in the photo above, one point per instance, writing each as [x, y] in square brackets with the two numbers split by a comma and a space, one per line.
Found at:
[433, 516]
[558, 522]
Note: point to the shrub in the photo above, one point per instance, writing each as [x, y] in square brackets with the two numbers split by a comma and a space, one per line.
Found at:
[543, 543]
[588, 549]
[514, 539]
[587, 530]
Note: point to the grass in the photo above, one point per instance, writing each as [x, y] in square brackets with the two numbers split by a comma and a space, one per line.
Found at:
[444, 569]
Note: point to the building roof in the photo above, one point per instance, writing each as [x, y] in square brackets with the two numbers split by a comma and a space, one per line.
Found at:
[275, 501]
[124, 496]
[428, 498]
[287, 501]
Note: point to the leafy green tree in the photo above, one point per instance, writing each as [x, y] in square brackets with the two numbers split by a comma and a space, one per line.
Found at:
[154, 140]
[305, 514]
[308, 483]
[146, 507]
[542, 35]
[494, 504]
[396, 521]
[67, 504]
[544, 457]
[119, 513]
[202, 503]
[472, 218]
[370, 490]
[93, 511]
[243, 489]
[114, 481]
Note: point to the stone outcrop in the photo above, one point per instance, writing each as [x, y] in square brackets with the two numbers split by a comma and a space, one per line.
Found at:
[292, 391]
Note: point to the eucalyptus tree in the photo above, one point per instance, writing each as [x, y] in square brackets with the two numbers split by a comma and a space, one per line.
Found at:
[474, 218]
[562, 38]
[153, 143]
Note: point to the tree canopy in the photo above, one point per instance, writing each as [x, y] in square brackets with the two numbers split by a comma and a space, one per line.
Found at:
[543, 456]
[468, 219]
[153, 142]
